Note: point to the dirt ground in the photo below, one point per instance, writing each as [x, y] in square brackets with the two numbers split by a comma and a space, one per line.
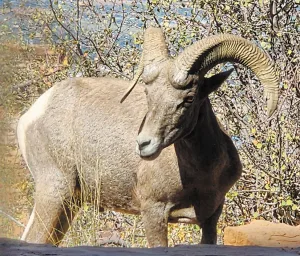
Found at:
[16, 184]
[14, 203]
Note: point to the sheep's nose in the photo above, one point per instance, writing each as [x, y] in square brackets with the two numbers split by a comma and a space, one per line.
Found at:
[146, 145]
[143, 143]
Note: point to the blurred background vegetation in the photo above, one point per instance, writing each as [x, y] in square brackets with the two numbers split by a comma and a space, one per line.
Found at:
[44, 41]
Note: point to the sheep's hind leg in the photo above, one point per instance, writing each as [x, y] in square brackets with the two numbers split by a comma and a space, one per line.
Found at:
[54, 206]
[48, 222]
[155, 219]
[209, 227]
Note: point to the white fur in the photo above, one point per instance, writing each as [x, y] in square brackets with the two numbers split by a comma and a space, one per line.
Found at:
[37, 110]
[29, 224]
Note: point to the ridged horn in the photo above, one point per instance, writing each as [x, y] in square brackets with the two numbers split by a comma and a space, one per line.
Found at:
[208, 52]
[155, 48]
[155, 51]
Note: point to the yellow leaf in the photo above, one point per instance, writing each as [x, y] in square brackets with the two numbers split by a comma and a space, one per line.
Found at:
[259, 145]
[288, 136]
[24, 185]
[85, 207]
[65, 61]
[136, 40]
[266, 45]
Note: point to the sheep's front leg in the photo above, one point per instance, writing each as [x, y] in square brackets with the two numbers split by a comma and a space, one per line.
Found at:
[155, 219]
[209, 227]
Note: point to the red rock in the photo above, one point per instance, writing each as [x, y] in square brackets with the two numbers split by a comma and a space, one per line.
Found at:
[263, 233]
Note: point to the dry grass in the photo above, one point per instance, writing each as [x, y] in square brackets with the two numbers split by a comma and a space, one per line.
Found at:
[91, 226]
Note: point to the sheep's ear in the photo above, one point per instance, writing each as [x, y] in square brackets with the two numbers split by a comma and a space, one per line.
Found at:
[214, 82]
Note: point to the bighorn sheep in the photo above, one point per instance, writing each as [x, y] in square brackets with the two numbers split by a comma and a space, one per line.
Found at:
[78, 137]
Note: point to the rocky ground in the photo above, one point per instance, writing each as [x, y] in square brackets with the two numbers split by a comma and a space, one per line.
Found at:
[10, 247]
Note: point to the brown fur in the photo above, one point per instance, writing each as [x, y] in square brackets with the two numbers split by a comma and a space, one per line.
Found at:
[78, 136]
[85, 140]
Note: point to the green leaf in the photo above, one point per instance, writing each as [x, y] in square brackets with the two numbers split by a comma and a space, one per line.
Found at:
[196, 227]
[289, 202]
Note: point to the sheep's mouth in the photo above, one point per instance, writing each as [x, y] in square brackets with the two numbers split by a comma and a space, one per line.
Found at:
[156, 145]
[151, 157]
[149, 154]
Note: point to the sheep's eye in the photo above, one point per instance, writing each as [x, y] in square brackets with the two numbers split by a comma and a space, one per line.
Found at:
[189, 99]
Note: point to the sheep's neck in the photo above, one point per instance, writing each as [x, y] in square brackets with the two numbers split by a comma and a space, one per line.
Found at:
[202, 150]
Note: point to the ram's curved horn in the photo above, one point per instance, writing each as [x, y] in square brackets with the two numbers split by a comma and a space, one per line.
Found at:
[208, 52]
[155, 51]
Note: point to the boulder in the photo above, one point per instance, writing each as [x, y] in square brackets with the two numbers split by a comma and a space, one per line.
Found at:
[263, 233]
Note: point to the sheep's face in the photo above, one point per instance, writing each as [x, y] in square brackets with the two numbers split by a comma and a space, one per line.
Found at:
[172, 113]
